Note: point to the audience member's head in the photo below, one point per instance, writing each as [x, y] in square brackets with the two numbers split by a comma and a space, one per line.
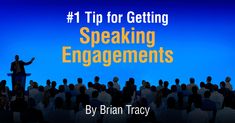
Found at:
[65, 81]
[228, 79]
[147, 85]
[97, 79]
[35, 85]
[53, 84]
[177, 81]
[41, 88]
[132, 81]
[183, 87]
[192, 80]
[79, 80]
[48, 82]
[215, 87]
[174, 88]
[143, 83]
[160, 82]
[90, 85]
[166, 83]
[71, 87]
[127, 84]
[209, 86]
[208, 79]
[61, 88]
[3, 87]
[222, 84]
[31, 82]
[3, 83]
[110, 84]
[153, 88]
[202, 84]
[115, 79]
[103, 87]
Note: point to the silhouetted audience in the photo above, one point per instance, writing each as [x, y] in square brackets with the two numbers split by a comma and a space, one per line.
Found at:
[182, 103]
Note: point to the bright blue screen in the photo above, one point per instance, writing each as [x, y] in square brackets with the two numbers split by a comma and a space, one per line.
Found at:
[200, 33]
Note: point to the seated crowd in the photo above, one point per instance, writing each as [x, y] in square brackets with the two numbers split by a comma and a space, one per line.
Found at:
[181, 103]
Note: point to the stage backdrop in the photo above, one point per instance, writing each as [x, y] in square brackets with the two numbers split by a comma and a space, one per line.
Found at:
[200, 34]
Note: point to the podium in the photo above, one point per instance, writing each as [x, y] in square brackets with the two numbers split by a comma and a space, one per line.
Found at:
[18, 81]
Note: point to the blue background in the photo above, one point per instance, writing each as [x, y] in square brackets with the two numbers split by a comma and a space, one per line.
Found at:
[200, 33]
